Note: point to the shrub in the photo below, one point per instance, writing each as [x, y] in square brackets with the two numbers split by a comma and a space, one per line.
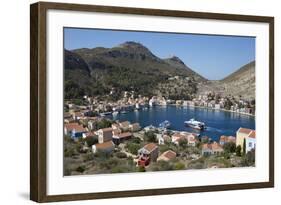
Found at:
[80, 169]
[183, 143]
[88, 157]
[69, 152]
[150, 136]
[179, 166]
[91, 140]
[141, 169]
[229, 147]
[121, 155]
[133, 148]
[238, 151]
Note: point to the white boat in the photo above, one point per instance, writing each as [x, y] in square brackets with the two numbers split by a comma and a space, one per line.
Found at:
[195, 124]
[165, 124]
[115, 113]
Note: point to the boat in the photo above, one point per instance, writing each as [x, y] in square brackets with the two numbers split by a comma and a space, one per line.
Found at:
[165, 124]
[105, 113]
[195, 124]
[124, 112]
[115, 113]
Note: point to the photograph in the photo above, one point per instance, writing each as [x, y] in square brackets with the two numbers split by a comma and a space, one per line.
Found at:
[141, 101]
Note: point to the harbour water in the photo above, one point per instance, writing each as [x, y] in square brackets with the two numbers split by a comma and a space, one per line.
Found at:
[217, 122]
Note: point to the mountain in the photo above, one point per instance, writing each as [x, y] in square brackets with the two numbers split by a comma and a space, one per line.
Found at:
[178, 63]
[131, 66]
[128, 66]
[240, 83]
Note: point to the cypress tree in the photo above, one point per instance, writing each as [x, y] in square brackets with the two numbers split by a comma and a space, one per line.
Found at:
[244, 147]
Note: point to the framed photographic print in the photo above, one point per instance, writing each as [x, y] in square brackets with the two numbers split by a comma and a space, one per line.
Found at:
[136, 102]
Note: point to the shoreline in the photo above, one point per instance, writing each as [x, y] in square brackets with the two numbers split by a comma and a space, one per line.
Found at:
[208, 108]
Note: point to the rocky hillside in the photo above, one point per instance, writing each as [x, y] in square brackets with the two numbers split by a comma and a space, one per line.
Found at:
[241, 83]
[128, 66]
[132, 66]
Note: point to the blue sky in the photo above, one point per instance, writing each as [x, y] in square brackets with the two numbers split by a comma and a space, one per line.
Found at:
[212, 56]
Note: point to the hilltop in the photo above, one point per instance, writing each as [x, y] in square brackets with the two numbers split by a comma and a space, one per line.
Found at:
[131, 66]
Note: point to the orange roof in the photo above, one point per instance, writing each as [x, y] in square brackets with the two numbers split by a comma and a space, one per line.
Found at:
[212, 146]
[75, 126]
[150, 147]
[169, 154]
[252, 134]
[124, 135]
[245, 130]
[105, 145]
[108, 129]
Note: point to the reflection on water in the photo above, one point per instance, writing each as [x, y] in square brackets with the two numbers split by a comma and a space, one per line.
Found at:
[218, 122]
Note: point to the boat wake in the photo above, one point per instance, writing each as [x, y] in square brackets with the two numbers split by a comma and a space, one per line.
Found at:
[213, 129]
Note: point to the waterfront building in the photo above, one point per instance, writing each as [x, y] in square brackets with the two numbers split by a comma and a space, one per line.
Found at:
[248, 135]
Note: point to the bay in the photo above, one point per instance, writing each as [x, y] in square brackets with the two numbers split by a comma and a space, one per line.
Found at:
[217, 122]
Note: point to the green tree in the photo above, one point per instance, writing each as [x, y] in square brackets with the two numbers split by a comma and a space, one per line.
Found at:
[238, 151]
[229, 147]
[244, 147]
[133, 148]
[183, 143]
[150, 136]
[179, 166]
[91, 140]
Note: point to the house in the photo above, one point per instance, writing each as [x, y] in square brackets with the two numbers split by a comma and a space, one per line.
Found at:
[211, 149]
[149, 128]
[147, 154]
[74, 130]
[67, 117]
[106, 147]
[134, 127]
[191, 138]
[227, 139]
[204, 139]
[104, 134]
[160, 139]
[120, 137]
[167, 156]
[77, 115]
[244, 134]
[124, 125]
[177, 137]
[251, 141]
[88, 134]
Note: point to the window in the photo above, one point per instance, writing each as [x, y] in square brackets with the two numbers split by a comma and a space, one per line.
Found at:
[250, 144]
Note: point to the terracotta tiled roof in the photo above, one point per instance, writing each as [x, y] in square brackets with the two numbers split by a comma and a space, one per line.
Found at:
[252, 134]
[105, 145]
[169, 154]
[150, 147]
[245, 130]
[124, 135]
[108, 129]
[75, 126]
